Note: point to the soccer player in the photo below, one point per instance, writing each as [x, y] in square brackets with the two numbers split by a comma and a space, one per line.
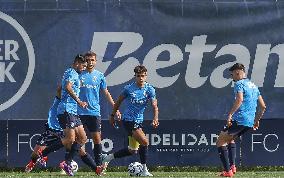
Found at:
[242, 117]
[75, 135]
[136, 95]
[50, 140]
[52, 135]
[92, 82]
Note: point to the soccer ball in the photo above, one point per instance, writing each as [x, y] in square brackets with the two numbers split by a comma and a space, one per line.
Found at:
[74, 166]
[135, 169]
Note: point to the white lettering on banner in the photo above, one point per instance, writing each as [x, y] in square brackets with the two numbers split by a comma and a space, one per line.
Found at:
[263, 141]
[20, 136]
[10, 53]
[10, 49]
[181, 139]
[131, 42]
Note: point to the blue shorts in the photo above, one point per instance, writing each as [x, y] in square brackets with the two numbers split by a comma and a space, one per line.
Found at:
[49, 136]
[236, 130]
[130, 126]
[68, 120]
[93, 123]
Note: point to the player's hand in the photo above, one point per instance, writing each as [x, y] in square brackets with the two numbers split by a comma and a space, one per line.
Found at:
[118, 115]
[83, 104]
[255, 125]
[155, 123]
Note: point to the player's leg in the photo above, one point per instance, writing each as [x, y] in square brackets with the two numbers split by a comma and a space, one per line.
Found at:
[141, 138]
[225, 142]
[81, 139]
[93, 124]
[222, 142]
[232, 155]
[54, 144]
[89, 161]
[94, 127]
[67, 123]
[34, 157]
[51, 142]
[132, 145]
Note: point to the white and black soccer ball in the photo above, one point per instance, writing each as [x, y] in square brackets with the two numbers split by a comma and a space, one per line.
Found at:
[135, 169]
[74, 166]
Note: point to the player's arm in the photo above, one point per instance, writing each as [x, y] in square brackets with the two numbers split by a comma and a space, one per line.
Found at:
[115, 109]
[155, 122]
[261, 110]
[58, 91]
[110, 100]
[70, 91]
[238, 102]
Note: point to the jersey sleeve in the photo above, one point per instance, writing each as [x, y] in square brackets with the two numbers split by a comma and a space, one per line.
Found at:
[257, 92]
[125, 92]
[152, 93]
[70, 77]
[103, 84]
[238, 88]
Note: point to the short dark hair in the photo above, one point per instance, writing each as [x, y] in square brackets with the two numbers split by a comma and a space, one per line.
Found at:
[140, 69]
[237, 66]
[79, 58]
[90, 54]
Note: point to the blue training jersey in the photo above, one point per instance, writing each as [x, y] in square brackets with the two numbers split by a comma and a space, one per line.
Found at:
[136, 101]
[90, 92]
[246, 113]
[52, 116]
[67, 103]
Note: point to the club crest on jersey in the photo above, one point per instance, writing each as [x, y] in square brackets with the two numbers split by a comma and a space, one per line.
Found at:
[95, 78]
[132, 94]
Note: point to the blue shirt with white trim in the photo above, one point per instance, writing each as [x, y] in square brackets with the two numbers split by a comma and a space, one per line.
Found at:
[90, 92]
[246, 113]
[67, 103]
[137, 99]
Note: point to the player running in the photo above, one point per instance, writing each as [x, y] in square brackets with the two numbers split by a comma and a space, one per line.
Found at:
[137, 95]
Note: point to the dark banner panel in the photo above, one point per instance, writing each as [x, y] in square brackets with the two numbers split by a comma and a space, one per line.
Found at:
[186, 46]
[264, 146]
[174, 143]
[3, 143]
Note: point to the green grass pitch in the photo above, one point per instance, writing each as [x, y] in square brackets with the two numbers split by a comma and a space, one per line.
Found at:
[47, 174]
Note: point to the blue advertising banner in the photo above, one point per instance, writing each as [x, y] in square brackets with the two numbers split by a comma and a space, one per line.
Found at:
[264, 146]
[187, 47]
[174, 143]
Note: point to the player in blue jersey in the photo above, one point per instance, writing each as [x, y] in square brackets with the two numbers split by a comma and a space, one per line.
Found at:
[50, 140]
[93, 81]
[52, 135]
[75, 135]
[242, 117]
[137, 95]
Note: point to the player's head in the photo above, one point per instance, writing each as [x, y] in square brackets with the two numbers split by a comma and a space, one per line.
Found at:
[237, 71]
[79, 63]
[91, 58]
[140, 74]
